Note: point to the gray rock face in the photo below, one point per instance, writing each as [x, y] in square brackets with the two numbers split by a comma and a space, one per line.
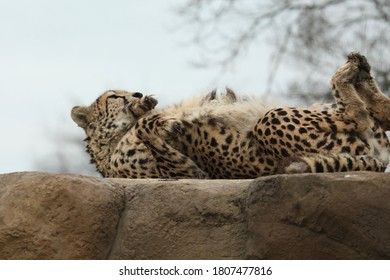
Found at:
[306, 216]
[328, 216]
[46, 216]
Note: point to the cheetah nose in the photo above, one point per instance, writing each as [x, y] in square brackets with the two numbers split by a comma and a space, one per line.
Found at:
[137, 95]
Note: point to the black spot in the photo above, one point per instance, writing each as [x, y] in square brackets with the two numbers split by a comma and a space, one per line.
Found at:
[337, 165]
[329, 167]
[275, 121]
[346, 149]
[299, 147]
[313, 136]
[319, 167]
[321, 143]
[282, 113]
[273, 141]
[297, 114]
[333, 127]
[302, 130]
[213, 142]
[270, 161]
[235, 150]
[351, 139]
[284, 152]
[225, 147]
[260, 132]
[291, 127]
[264, 120]
[330, 146]
[279, 133]
[267, 132]
[306, 143]
[189, 138]
[359, 150]
[143, 161]
[229, 139]
[350, 164]
[296, 121]
[212, 122]
[130, 153]
[286, 119]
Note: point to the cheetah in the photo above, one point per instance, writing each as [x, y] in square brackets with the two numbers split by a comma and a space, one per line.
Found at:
[230, 137]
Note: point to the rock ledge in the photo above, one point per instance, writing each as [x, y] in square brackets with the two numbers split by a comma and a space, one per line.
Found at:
[306, 216]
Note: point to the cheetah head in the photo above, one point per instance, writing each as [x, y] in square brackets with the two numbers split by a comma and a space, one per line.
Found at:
[113, 112]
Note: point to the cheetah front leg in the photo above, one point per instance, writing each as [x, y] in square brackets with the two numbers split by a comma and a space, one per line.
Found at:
[154, 132]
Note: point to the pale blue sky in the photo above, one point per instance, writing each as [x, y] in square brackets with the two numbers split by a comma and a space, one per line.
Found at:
[57, 54]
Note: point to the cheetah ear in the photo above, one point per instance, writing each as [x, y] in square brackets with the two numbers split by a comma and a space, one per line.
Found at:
[80, 115]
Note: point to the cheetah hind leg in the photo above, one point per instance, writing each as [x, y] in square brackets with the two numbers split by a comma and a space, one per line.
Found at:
[350, 107]
[171, 163]
[377, 103]
[330, 163]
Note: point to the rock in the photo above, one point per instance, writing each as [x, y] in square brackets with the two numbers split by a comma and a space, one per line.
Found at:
[319, 216]
[305, 216]
[45, 216]
[186, 219]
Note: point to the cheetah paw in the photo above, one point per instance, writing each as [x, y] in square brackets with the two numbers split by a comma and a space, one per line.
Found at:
[364, 67]
[170, 128]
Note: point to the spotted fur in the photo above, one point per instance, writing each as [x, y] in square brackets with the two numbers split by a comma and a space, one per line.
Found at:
[225, 136]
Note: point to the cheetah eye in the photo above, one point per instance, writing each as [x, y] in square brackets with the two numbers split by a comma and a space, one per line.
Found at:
[114, 96]
[137, 95]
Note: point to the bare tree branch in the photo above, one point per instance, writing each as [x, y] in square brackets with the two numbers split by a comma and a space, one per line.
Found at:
[312, 33]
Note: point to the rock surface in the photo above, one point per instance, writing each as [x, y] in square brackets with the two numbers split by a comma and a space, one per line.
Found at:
[306, 216]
